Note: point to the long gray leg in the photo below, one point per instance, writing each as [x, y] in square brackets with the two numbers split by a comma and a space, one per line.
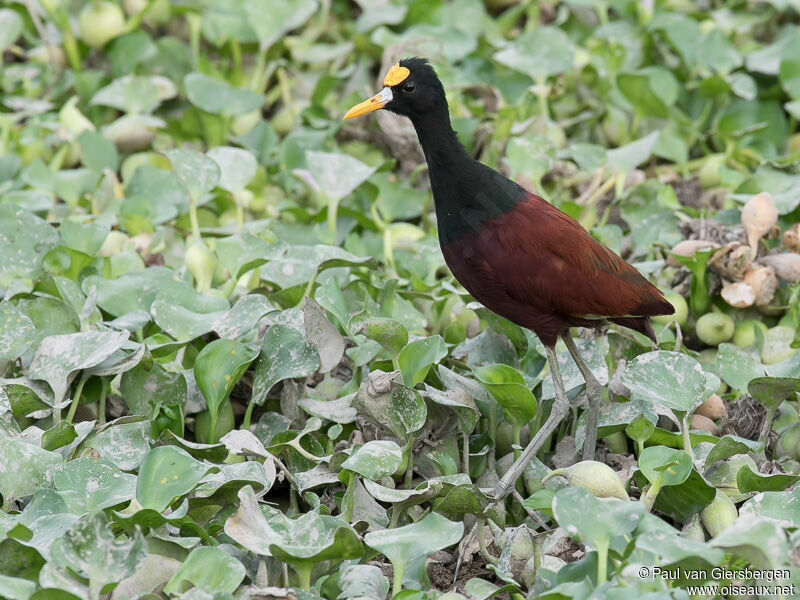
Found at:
[594, 393]
[557, 413]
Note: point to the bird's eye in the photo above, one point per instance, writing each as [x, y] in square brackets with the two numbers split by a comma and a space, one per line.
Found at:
[409, 87]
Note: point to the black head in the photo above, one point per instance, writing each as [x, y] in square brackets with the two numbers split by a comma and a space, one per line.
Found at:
[411, 88]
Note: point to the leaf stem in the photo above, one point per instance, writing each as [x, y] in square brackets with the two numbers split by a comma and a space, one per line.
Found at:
[602, 563]
[303, 570]
[248, 415]
[76, 398]
[101, 403]
[397, 580]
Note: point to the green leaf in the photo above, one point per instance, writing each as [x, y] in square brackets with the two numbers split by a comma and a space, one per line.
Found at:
[323, 335]
[772, 391]
[167, 472]
[186, 314]
[628, 157]
[25, 239]
[90, 485]
[209, 569]
[638, 90]
[593, 521]
[198, 173]
[11, 26]
[135, 93]
[737, 367]
[59, 356]
[26, 468]
[90, 547]
[237, 167]
[375, 459]
[781, 507]
[130, 292]
[539, 53]
[284, 16]
[677, 462]
[219, 97]
[17, 332]
[507, 385]
[405, 544]
[97, 152]
[336, 175]
[389, 333]
[392, 405]
[218, 367]
[285, 354]
[416, 358]
[748, 481]
[670, 379]
[762, 543]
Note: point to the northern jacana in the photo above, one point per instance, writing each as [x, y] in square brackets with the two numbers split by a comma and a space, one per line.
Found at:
[515, 252]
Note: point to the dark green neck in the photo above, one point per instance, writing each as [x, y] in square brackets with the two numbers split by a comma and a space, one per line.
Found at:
[466, 193]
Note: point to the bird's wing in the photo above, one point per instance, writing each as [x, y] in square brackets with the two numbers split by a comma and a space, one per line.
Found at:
[547, 260]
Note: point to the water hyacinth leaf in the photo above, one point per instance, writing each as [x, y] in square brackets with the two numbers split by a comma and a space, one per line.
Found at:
[59, 356]
[674, 548]
[389, 333]
[762, 543]
[284, 17]
[186, 314]
[166, 473]
[25, 239]
[416, 358]
[593, 521]
[209, 569]
[89, 547]
[730, 445]
[681, 502]
[628, 157]
[781, 507]
[242, 317]
[97, 152]
[375, 459]
[322, 334]
[737, 366]
[392, 405]
[285, 353]
[17, 332]
[405, 544]
[299, 264]
[237, 167]
[129, 292]
[90, 484]
[336, 175]
[219, 97]
[312, 537]
[363, 581]
[748, 481]
[237, 475]
[638, 90]
[507, 385]
[670, 379]
[198, 173]
[653, 460]
[135, 93]
[540, 53]
[218, 367]
[24, 468]
[11, 26]
[149, 385]
[248, 525]
[772, 391]
[15, 588]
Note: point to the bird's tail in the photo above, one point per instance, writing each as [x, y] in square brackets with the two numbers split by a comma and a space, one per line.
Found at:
[640, 324]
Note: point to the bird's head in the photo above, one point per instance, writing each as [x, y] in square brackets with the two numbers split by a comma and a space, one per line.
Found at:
[411, 88]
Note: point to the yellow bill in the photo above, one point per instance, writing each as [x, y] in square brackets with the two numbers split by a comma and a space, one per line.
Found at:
[377, 101]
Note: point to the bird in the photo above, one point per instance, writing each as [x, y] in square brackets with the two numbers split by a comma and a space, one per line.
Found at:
[513, 251]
